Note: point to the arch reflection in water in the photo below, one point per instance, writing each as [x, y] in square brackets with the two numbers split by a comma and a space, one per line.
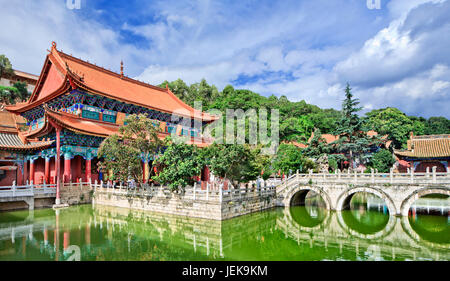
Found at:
[429, 217]
[308, 208]
[365, 213]
[107, 233]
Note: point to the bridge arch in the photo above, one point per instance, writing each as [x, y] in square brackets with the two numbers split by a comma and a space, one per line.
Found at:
[302, 190]
[346, 196]
[407, 203]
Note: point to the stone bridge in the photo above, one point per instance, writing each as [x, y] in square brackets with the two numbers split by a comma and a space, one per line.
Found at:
[336, 229]
[399, 191]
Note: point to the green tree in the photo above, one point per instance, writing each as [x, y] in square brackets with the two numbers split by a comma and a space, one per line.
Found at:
[392, 122]
[8, 94]
[22, 91]
[5, 66]
[437, 126]
[382, 161]
[325, 120]
[317, 146]
[123, 153]
[178, 164]
[353, 139]
[296, 128]
[290, 158]
[235, 162]
[179, 88]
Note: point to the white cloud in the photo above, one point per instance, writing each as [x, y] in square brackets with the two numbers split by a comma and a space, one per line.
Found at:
[308, 50]
[29, 27]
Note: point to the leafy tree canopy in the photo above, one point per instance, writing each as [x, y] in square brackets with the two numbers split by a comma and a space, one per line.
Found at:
[394, 123]
[178, 164]
[382, 161]
[290, 158]
[123, 153]
[235, 162]
[5, 66]
[353, 140]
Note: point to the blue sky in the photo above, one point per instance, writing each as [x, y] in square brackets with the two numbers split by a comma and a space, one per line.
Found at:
[306, 50]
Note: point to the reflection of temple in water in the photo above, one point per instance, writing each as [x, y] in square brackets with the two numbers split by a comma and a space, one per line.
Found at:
[298, 233]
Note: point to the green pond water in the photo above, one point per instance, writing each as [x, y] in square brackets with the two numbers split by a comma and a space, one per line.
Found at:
[310, 233]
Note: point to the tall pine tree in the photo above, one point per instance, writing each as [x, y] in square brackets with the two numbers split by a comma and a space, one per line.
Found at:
[353, 140]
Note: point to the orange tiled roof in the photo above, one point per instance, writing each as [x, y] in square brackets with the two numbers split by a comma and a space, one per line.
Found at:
[328, 138]
[9, 121]
[434, 146]
[82, 125]
[60, 69]
[297, 144]
[10, 136]
[26, 75]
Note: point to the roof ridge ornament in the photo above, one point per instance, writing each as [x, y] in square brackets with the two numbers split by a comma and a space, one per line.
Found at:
[121, 69]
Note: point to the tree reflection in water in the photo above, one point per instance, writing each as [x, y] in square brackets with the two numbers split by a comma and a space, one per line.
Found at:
[367, 215]
[307, 232]
[431, 223]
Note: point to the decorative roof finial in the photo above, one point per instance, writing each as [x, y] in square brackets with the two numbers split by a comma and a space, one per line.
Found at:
[54, 44]
[167, 86]
[121, 69]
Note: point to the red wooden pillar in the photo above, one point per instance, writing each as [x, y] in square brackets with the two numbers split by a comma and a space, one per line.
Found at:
[47, 170]
[67, 169]
[31, 170]
[56, 238]
[45, 236]
[66, 240]
[88, 169]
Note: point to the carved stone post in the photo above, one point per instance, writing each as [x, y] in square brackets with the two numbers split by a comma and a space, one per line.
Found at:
[391, 175]
[372, 175]
[434, 174]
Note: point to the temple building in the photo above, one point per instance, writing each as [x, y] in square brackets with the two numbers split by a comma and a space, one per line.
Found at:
[19, 76]
[425, 152]
[76, 105]
[14, 149]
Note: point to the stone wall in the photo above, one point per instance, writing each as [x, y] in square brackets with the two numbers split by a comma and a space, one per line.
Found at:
[76, 194]
[178, 204]
[12, 206]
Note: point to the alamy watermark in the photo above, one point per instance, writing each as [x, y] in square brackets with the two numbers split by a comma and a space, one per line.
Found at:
[374, 4]
[73, 4]
[73, 253]
[236, 126]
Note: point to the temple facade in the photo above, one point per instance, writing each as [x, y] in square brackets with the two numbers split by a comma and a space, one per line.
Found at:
[424, 152]
[76, 105]
[19, 76]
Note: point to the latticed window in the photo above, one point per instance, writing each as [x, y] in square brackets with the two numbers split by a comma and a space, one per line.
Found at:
[109, 118]
[90, 115]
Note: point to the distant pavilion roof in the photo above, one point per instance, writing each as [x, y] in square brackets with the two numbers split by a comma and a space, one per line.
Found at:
[329, 138]
[12, 139]
[431, 146]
